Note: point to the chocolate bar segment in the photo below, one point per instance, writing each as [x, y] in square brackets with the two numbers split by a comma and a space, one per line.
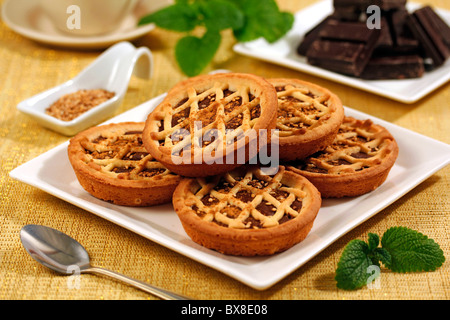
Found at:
[343, 47]
[347, 31]
[345, 3]
[311, 35]
[394, 67]
[386, 41]
[403, 38]
[429, 21]
[363, 4]
[430, 49]
[389, 4]
[348, 13]
[342, 57]
[396, 38]
[438, 24]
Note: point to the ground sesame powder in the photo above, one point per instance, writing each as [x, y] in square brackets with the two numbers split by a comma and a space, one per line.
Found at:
[72, 105]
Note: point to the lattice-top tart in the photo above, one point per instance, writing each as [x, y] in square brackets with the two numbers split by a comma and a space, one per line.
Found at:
[112, 164]
[308, 117]
[247, 212]
[211, 124]
[358, 161]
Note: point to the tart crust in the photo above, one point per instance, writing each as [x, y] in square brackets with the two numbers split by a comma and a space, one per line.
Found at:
[210, 124]
[308, 117]
[111, 164]
[246, 212]
[357, 162]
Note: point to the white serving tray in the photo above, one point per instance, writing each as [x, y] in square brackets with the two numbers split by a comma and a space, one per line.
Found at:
[419, 158]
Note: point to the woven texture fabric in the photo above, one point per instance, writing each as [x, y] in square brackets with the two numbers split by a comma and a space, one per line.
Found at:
[28, 68]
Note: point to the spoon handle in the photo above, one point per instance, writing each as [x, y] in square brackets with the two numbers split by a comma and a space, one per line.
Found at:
[159, 292]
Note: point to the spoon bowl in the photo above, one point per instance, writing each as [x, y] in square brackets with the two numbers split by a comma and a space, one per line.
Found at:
[53, 249]
[111, 71]
[63, 254]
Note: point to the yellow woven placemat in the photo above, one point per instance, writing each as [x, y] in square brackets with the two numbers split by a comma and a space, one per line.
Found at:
[27, 68]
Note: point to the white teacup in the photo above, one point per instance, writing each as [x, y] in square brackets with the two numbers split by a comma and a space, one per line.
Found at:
[87, 17]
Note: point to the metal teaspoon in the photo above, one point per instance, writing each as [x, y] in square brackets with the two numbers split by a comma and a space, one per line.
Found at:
[61, 253]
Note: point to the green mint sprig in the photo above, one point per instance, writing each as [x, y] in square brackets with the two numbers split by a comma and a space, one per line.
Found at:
[402, 250]
[248, 19]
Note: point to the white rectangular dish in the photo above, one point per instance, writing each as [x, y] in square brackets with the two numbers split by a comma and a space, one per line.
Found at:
[284, 53]
[419, 158]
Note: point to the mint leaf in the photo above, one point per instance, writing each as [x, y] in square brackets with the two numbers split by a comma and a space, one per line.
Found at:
[351, 272]
[193, 54]
[284, 24]
[411, 251]
[177, 17]
[374, 241]
[221, 14]
[381, 254]
[263, 19]
[403, 250]
[248, 19]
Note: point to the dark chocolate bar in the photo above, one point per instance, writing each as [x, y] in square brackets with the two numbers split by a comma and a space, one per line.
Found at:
[344, 3]
[343, 47]
[405, 42]
[363, 4]
[438, 24]
[310, 36]
[343, 57]
[394, 67]
[429, 37]
[389, 4]
[429, 21]
[348, 31]
[404, 47]
[348, 13]
[386, 42]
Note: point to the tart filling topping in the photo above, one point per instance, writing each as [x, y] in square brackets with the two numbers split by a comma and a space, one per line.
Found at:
[359, 145]
[248, 200]
[300, 109]
[122, 156]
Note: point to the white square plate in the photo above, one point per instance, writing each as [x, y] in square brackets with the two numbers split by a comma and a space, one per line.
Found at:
[419, 158]
[284, 53]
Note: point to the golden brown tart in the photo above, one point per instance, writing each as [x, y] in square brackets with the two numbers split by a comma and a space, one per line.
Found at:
[247, 212]
[211, 124]
[308, 117]
[357, 162]
[112, 164]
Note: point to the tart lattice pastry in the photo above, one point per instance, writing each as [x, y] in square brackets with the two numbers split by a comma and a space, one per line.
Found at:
[246, 211]
[211, 124]
[357, 162]
[308, 117]
[111, 163]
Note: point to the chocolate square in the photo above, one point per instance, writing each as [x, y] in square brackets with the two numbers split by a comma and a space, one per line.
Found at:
[423, 26]
[386, 42]
[311, 35]
[343, 47]
[389, 4]
[436, 29]
[394, 67]
[385, 5]
[343, 57]
[405, 42]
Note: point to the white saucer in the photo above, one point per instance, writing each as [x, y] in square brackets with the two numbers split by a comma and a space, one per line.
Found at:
[27, 19]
